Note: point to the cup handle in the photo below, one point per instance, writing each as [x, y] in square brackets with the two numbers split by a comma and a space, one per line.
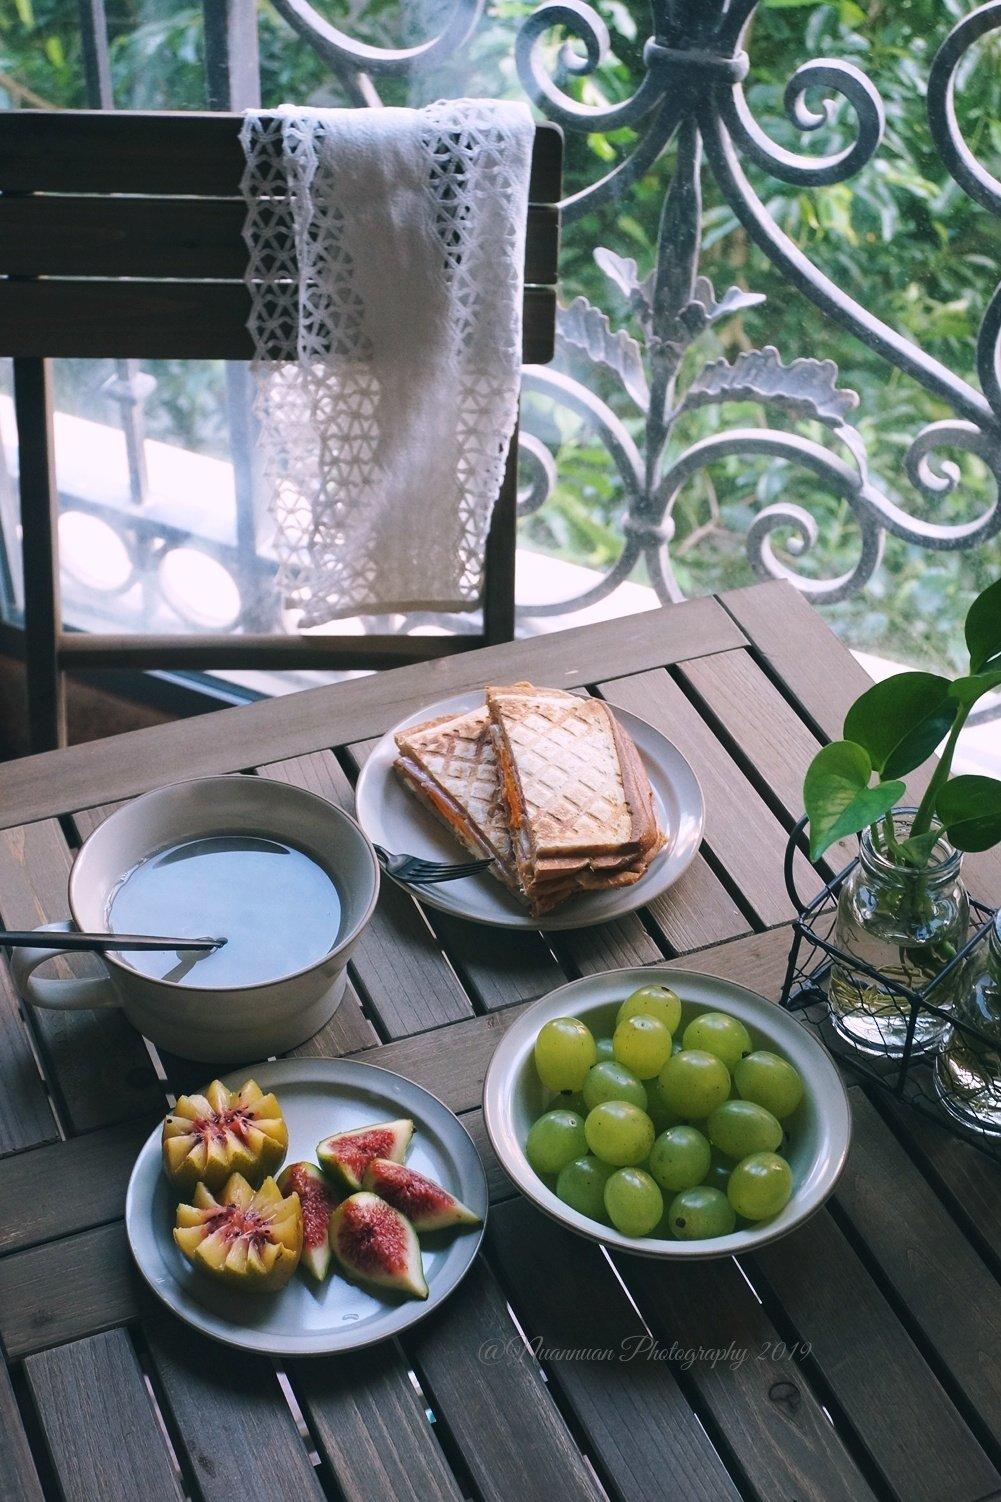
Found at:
[68, 995]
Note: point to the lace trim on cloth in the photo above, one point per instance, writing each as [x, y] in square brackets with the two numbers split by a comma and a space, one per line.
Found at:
[386, 247]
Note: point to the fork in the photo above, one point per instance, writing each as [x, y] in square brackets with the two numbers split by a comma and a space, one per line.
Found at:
[412, 870]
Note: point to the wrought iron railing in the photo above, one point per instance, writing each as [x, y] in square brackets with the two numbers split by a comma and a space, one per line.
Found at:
[690, 98]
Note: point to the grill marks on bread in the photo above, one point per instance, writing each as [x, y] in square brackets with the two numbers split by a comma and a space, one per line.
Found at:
[548, 783]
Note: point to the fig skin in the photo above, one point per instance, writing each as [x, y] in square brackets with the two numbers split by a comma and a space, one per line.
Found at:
[248, 1239]
[376, 1244]
[209, 1136]
[318, 1201]
[344, 1156]
[426, 1205]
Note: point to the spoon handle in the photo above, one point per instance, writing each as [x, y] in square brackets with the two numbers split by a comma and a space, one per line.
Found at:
[19, 938]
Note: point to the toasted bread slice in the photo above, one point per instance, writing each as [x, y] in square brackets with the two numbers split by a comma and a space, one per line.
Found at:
[578, 800]
[450, 765]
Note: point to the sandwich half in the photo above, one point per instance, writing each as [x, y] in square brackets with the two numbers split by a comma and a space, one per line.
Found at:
[450, 765]
[579, 804]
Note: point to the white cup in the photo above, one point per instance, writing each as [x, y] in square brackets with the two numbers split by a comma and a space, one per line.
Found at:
[213, 1024]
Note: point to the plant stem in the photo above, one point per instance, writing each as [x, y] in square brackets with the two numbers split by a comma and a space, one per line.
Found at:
[926, 808]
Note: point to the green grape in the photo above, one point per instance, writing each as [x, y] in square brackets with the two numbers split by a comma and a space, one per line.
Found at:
[739, 1127]
[697, 1214]
[679, 1159]
[564, 1052]
[554, 1140]
[718, 1034]
[605, 1051]
[619, 1133]
[633, 1201]
[769, 1081]
[581, 1185]
[611, 1081]
[760, 1186]
[642, 1044]
[653, 1001]
[693, 1083]
[720, 1168]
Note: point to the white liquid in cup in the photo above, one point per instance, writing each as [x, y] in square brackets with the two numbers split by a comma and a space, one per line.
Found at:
[277, 908]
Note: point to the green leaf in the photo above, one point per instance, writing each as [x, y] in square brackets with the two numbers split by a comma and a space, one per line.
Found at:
[837, 795]
[983, 627]
[968, 690]
[970, 810]
[901, 720]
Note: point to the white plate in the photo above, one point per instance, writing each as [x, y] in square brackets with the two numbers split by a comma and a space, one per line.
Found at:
[819, 1130]
[318, 1096]
[393, 818]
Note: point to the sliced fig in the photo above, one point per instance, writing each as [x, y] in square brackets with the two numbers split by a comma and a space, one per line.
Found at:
[346, 1155]
[210, 1136]
[249, 1238]
[318, 1201]
[374, 1242]
[426, 1205]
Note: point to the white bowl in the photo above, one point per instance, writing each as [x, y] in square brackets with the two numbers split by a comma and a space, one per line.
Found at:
[819, 1129]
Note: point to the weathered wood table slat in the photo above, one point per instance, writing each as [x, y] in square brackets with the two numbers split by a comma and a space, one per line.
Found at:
[859, 1358]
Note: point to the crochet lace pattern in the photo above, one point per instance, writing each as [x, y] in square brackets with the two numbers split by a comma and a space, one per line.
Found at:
[386, 250]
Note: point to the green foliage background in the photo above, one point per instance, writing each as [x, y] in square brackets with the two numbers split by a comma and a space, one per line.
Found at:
[901, 237]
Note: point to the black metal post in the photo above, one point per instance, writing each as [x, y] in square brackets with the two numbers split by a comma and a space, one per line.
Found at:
[39, 552]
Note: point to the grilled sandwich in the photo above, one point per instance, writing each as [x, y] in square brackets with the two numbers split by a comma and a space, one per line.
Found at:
[579, 804]
[450, 765]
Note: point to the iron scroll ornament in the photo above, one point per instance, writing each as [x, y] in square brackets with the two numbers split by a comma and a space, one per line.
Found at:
[691, 94]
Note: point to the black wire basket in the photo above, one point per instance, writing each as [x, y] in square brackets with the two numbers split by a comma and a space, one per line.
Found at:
[907, 1069]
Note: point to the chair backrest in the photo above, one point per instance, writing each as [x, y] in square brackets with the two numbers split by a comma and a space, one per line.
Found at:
[158, 274]
[121, 236]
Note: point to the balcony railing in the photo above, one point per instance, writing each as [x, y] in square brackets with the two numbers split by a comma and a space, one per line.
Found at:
[635, 390]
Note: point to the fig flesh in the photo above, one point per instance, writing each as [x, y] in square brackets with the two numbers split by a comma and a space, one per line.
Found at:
[210, 1136]
[249, 1238]
[318, 1202]
[372, 1241]
[426, 1205]
[346, 1155]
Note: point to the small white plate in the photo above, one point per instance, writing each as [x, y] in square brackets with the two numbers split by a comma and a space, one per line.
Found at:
[393, 818]
[318, 1096]
[819, 1130]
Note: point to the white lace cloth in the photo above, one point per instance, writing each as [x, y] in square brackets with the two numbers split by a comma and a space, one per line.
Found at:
[387, 247]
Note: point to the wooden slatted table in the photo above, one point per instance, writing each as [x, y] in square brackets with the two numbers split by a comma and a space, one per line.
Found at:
[860, 1358]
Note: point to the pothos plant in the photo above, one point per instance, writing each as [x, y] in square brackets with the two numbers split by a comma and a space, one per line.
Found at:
[890, 730]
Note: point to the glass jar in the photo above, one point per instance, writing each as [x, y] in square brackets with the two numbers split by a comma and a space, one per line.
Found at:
[906, 924]
[968, 1067]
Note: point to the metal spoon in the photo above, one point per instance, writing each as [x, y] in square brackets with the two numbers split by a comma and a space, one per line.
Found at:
[46, 938]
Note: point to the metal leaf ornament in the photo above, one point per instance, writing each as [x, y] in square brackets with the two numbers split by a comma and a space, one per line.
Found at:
[806, 388]
[586, 327]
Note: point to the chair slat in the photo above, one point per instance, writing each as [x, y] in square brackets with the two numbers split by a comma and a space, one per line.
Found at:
[173, 320]
[197, 238]
[84, 151]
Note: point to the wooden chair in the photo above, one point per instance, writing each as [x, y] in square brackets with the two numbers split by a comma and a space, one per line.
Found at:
[159, 274]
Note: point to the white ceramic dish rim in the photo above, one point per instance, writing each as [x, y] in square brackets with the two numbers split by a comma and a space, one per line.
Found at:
[398, 1317]
[582, 912]
[576, 998]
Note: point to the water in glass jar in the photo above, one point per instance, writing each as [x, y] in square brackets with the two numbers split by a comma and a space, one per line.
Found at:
[968, 1067]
